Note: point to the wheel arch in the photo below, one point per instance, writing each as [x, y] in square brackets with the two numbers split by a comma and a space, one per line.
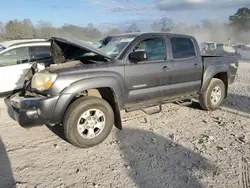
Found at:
[220, 72]
[224, 77]
[112, 92]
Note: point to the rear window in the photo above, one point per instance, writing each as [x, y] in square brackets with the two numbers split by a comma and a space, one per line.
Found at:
[182, 48]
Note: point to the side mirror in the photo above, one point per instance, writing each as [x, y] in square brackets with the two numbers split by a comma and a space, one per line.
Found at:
[138, 56]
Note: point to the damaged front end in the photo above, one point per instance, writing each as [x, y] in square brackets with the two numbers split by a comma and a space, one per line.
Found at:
[35, 104]
[28, 77]
[30, 107]
[65, 51]
[33, 109]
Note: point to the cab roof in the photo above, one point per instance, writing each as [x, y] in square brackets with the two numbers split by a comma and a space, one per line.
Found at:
[136, 34]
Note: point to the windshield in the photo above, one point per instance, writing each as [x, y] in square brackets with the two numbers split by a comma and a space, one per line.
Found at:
[114, 45]
[2, 48]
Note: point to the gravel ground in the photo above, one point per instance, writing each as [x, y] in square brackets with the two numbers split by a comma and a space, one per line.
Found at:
[180, 147]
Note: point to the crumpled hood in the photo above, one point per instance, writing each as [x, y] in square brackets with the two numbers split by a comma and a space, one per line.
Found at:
[64, 49]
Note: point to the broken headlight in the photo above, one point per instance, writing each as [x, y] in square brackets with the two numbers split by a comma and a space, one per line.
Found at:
[42, 81]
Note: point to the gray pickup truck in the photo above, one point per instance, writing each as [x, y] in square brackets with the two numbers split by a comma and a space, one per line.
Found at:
[87, 86]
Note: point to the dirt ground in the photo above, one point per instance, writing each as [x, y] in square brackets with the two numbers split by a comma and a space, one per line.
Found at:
[180, 147]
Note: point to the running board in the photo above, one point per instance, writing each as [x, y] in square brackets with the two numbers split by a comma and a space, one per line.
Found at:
[152, 112]
[142, 108]
[184, 103]
[152, 104]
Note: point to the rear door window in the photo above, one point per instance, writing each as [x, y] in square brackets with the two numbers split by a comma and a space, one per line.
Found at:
[182, 48]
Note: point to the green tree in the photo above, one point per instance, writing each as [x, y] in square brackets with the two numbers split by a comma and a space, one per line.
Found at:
[241, 19]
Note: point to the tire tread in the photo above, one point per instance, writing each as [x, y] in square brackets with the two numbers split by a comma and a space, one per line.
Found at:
[67, 120]
[204, 98]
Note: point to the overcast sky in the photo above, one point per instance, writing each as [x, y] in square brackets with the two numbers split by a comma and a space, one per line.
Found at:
[106, 12]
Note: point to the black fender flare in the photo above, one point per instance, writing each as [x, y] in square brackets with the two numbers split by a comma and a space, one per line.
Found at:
[69, 93]
[210, 73]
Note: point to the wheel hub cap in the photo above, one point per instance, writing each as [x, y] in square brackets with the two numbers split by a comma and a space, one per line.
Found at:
[91, 123]
[216, 95]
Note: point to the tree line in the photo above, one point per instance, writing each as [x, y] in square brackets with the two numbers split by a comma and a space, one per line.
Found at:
[15, 29]
[237, 28]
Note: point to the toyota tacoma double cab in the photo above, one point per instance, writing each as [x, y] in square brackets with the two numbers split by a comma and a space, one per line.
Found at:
[86, 86]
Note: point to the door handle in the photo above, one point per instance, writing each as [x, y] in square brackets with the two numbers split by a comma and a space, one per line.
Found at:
[165, 68]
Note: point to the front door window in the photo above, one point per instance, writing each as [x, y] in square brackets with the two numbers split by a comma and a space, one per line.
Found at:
[15, 56]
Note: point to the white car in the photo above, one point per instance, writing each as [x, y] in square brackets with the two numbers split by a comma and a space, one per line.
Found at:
[6, 44]
[244, 52]
[17, 57]
[225, 49]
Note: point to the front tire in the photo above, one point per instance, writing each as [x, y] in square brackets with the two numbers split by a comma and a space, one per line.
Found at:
[88, 121]
[214, 95]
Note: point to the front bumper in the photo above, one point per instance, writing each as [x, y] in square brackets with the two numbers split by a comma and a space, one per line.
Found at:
[32, 111]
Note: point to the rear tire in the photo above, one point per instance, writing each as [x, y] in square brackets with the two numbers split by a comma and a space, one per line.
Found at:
[88, 121]
[214, 95]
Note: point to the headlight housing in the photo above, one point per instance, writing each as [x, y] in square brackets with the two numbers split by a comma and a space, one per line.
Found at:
[42, 81]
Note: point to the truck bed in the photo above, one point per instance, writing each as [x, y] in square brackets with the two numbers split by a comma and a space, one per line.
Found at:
[212, 61]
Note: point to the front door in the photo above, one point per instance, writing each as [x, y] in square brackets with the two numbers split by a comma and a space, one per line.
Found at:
[148, 79]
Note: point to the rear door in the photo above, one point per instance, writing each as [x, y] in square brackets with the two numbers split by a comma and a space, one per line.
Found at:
[148, 79]
[13, 64]
[186, 67]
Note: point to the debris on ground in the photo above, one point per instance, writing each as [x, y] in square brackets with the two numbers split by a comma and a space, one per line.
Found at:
[242, 139]
[77, 170]
[221, 148]
[204, 121]
[171, 136]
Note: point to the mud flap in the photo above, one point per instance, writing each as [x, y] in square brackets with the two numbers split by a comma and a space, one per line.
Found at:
[117, 114]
